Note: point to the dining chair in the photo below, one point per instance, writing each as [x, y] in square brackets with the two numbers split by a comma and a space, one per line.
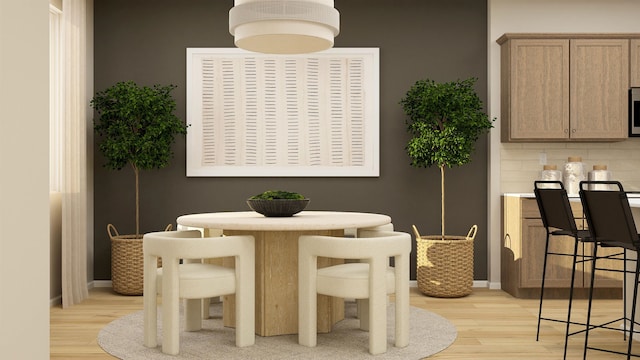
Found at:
[361, 304]
[181, 278]
[611, 224]
[560, 224]
[206, 303]
[353, 232]
[372, 278]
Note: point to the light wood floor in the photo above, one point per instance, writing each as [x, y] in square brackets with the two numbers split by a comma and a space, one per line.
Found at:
[491, 325]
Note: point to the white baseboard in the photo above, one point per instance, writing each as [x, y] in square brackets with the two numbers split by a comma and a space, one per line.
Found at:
[55, 301]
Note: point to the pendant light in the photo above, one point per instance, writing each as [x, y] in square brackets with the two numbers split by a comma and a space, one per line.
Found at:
[284, 26]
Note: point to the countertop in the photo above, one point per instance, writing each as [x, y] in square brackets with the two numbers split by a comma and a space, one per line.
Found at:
[634, 198]
[522, 195]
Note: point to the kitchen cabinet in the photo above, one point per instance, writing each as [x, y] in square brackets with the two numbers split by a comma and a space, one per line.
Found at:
[563, 87]
[599, 78]
[522, 256]
[535, 89]
[634, 50]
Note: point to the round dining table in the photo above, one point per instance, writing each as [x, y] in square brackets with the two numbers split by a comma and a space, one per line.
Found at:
[276, 241]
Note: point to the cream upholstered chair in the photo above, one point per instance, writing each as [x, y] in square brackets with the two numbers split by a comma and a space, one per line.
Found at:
[371, 279]
[205, 233]
[353, 232]
[362, 305]
[195, 281]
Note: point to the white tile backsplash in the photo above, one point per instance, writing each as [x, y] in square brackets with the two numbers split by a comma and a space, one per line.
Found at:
[520, 162]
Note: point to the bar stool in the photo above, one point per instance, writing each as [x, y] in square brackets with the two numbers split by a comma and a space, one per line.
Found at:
[558, 220]
[611, 224]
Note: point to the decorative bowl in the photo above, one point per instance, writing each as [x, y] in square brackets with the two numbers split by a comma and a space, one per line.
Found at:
[278, 207]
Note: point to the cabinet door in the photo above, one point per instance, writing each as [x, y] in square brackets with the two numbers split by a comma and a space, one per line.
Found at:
[599, 88]
[536, 89]
[558, 267]
[635, 62]
[604, 279]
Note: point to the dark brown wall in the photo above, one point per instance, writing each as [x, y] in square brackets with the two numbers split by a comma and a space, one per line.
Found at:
[146, 40]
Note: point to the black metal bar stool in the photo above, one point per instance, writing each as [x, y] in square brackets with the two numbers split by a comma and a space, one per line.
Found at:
[558, 220]
[611, 224]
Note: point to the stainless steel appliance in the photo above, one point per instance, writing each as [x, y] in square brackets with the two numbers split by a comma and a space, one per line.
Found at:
[634, 111]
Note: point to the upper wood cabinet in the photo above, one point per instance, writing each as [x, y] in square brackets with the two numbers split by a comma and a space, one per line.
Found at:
[635, 62]
[564, 87]
[599, 92]
[535, 89]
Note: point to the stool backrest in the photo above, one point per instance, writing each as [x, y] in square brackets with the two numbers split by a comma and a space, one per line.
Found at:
[609, 215]
[554, 206]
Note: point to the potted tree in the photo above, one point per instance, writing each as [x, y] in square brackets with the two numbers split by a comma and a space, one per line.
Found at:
[137, 127]
[445, 120]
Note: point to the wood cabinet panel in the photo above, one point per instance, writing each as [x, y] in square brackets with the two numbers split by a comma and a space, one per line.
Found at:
[539, 89]
[558, 267]
[634, 56]
[604, 279]
[599, 88]
[523, 248]
[529, 208]
[571, 88]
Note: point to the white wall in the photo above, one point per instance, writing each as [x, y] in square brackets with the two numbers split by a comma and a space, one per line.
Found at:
[24, 179]
[514, 167]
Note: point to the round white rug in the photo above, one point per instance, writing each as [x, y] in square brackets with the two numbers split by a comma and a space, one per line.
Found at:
[429, 334]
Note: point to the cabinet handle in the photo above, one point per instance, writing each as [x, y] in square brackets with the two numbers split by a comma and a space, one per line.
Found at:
[573, 131]
[566, 131]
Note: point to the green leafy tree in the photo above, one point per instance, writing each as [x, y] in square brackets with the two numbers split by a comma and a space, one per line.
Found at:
[445, 120]
[138, 127]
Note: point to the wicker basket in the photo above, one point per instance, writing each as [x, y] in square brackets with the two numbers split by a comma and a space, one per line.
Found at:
[445, 267]
[127, 262]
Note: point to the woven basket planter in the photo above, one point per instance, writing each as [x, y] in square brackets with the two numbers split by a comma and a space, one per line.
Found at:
[127, 262]
[445, 266]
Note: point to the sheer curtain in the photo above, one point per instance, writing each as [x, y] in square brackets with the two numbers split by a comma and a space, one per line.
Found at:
[74, 153]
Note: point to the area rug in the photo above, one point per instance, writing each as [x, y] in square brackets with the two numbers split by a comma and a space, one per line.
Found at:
[429, 334]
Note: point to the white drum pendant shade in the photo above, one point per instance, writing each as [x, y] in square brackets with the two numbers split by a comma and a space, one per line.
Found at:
[284, 26]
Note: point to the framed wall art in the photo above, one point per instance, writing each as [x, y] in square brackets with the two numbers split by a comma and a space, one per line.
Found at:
[254, 114]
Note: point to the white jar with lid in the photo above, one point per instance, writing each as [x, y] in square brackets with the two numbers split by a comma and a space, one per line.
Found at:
[550, 173]
[573, 173]
[599, 173]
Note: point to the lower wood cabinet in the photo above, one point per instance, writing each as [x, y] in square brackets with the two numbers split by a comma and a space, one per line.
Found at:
[522, 257]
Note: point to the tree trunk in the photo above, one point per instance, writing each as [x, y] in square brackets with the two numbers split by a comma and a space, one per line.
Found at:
[442, 194]
[136, 172]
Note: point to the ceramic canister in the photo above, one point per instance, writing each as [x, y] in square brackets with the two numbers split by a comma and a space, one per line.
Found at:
[550, 173]
[573, 173]
[599, 173]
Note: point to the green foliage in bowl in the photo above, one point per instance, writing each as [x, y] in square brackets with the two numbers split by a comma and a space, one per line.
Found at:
[277, 203]
[277, 194]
